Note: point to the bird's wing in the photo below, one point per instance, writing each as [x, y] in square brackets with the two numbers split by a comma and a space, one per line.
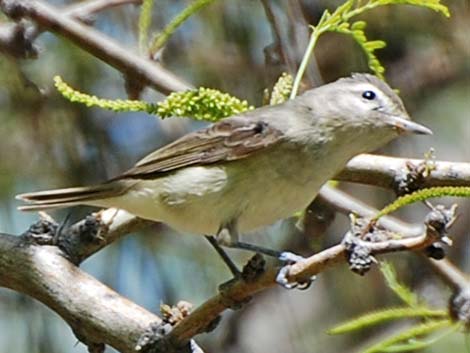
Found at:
[228, 140]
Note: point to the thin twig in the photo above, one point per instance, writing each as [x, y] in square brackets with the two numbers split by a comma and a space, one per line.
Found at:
[175, 23]
[276, 31]
[84, 9]
[99, 45]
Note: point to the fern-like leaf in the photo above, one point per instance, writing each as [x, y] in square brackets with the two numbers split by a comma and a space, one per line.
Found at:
[424, 194]
[402, 291]
[408, 338]
[117, 105]
[385, 315]
[145, 19]
[160, 40]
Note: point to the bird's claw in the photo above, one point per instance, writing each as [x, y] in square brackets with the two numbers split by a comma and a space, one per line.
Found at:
[282, 276]
[290, 258]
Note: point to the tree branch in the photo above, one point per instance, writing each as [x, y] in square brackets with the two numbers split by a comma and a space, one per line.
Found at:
[44, 273]
[101, 229]
[387, 171]
[16, 39]
[96, 313]
[240, 291]
[83, 10]
[131, 65]
[99, 315]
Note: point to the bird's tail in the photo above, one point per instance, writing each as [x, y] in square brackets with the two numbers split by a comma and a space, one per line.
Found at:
[58, 198]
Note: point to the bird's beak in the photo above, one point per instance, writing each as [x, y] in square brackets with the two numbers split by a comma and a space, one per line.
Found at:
[407, 126]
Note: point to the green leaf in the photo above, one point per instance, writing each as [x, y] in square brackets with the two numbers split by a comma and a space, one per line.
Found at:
[145, 19]
[424, 194]
[434, 5]
[403, 292]
[359, 25]
[339, 21]
[160, 40]
[385, 315]
[408, 338]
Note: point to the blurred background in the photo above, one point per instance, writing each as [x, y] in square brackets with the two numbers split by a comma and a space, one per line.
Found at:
[48, 142]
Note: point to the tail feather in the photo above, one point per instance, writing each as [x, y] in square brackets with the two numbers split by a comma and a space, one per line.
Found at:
[68, 197]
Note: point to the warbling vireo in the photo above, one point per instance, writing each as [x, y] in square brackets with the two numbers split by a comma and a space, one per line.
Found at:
[250, 170]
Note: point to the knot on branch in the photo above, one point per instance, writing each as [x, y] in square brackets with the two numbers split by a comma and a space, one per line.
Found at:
[75, 240]
[459, 306]
[438, 222]
[153, 340]
[17, 40]
[42, 232]
[413, 176]
[254, 268]
[14, 9]
[359, 255]
[92, 229]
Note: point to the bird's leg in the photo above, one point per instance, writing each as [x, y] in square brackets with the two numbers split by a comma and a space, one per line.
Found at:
[228, 236]
[227, 260]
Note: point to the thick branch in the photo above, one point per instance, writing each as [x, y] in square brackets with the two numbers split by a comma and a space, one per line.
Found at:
[131, 65]
[93, 310]
[384, 171]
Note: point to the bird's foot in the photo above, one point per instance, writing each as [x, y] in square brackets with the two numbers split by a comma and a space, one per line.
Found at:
[289, 259]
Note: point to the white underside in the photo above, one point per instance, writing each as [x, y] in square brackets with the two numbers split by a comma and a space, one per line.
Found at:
[200, 199]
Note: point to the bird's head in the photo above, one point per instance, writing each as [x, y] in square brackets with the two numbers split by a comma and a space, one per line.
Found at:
[368, 98]
[362, 109]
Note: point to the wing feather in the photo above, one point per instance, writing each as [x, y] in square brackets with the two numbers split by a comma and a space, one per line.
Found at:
[228, 140]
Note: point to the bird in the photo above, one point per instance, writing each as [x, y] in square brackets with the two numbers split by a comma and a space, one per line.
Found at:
[250, 170]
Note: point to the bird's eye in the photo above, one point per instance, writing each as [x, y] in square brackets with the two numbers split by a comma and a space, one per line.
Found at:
[368, 95]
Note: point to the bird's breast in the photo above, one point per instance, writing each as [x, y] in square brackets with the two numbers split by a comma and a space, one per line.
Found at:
[255, 191]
